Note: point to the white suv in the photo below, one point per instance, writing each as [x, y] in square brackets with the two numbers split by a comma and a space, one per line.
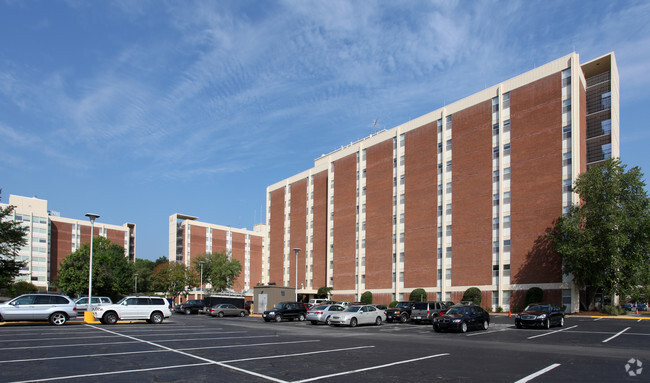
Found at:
[151, 309]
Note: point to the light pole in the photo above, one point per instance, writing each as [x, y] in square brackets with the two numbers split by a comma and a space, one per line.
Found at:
[89, 309]
[201, 263]
[136, 283]
[297, 250]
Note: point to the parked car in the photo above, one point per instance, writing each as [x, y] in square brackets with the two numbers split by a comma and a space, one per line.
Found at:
[401, 312]
[356, 315]
[629, 306]
[248, 306]
[427, 311]
[540, 315]
[323, 313]
[286, 310]
[226, 309]
[642, 306]
[317, 301]
[462, 318]
[57, 309]
[190, 307]
[152, 309]
[82, 303]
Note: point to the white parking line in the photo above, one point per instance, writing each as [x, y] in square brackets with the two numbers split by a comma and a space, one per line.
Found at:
[538, 373]
[552, 332]
[617, 334]
[369, 368]
[487, 332]
[597, 319]
[298, 354]
[32, 339]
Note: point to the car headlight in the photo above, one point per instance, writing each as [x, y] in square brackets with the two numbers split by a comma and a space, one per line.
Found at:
[457, 320]
[543, 316]
[272, 313]
[517, 316]
[396, 312]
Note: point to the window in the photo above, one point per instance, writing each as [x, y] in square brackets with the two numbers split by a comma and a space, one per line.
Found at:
[495, 153]
[566, 106]
[506, 246]
[566, 132]
[566, 186]
[495, 176]
[506, 222]
[506, 198]
[506, 125]
[506, 100]
[448, 167]
[506, 174]
[448, 146]
[495, 199]
[506, 149]
[495, 223]
[448, 209]
[566, 159]
[606, 126]
[606, 100]
[448, 188]
[439, 147]
[495, 129]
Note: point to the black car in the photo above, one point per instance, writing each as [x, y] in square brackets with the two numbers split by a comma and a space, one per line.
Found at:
[540, 315]
[462, 318]
[401, 312]
[190, 307]
[286, 310]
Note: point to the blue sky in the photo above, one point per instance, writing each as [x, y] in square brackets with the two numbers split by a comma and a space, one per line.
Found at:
[137, 109]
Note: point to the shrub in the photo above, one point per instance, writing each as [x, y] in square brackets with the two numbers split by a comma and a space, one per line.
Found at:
[366, 297]
[499, 309]
[22, 287]
[392, 304]
[418, 295]
[473, 294]
[614, 310]
[324, 292]
[534, 295]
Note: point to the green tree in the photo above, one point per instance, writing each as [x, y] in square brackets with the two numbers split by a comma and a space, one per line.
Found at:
[366, 297]
[174, 279]
[144, 269]
[534, 295]
[604, 241]
[418, 295]
[324, 292]
[473, 294]
[112, 272]
[13, 236]
[219, 269]
[22, 287]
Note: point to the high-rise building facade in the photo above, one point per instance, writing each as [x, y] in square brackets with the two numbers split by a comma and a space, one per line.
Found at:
[189, 238]
[51, 238]
[460, 197]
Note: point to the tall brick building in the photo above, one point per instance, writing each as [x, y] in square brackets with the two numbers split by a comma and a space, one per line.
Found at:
[459, 197]
[51, 238]
[189, 237]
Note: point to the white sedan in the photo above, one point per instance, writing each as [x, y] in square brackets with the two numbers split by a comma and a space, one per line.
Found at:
[354, 315]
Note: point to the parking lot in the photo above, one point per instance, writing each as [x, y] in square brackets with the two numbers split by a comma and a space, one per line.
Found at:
[203, 348]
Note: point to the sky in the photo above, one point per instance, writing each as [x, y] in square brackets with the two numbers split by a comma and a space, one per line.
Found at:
[136, 110]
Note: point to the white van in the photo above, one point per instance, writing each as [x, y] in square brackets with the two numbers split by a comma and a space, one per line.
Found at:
[314, 302]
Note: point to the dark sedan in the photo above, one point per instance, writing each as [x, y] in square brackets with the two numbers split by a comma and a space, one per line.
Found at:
[462, 318]
[540, 315]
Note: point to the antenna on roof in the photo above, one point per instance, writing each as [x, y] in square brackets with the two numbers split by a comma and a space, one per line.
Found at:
[374, 126]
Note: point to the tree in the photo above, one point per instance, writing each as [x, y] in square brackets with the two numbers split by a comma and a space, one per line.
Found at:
[174, 279]
[112, 272]
[324, 292]
[144, 269]
[604, 241]
[473, 294]
[418, 295]
[22, 287]
[366, 297]
[13, 236]
[534, 295]
[219, 270]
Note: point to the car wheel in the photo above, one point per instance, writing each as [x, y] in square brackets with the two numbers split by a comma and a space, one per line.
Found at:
[436, 328]
[156, 317]
[187, 311]
[403, 319]
[278, 317]
[58, 318]
[301, 317]
[220, 314]
[486, 324]
[242, 314]
[547, 324]
[328, 321]
[110, 317]
[561, 324]
[463, 327]
[353, 322]
[518, 325]
[378, 321]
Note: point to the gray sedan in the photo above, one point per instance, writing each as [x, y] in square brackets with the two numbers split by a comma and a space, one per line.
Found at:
[323, 313]
[356, 315]
[56, 309]
[226, 309]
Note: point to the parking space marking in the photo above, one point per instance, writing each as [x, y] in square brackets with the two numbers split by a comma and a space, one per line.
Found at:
[370, 368]
[110, 336]
[597, 319]
[488, 332]
[297, 354]
[552, 332]
[538, 373]
[155, 351]
[617, 334]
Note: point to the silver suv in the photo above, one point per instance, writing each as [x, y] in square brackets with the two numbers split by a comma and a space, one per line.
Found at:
[151, 309]
[57, 309]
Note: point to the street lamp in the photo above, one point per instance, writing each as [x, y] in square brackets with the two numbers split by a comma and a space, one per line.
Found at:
[89, 309]
[297, 250]
[201, 263]
[136, 283]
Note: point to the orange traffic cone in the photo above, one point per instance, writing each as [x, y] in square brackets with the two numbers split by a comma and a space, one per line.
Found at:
[637, 311]
[509, 314]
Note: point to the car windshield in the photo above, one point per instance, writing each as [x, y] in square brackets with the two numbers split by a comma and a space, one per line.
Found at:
[403, 305]
[458, 311]
[538, 308]
[279, 306]
[121, 301]
[421, 306]
[353, 309]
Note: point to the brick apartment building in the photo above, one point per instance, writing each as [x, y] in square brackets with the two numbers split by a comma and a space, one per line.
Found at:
[51, 238]
[189, 238]
[459, 197]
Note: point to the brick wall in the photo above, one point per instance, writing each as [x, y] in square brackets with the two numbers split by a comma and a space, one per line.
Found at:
[298, 231]
[60, 246]
[256, 260]
[239, 253]
[345, 172]
[276, 245]
[319, 254]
